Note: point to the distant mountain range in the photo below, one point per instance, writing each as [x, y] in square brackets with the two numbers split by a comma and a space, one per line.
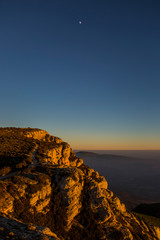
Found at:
[148, 209]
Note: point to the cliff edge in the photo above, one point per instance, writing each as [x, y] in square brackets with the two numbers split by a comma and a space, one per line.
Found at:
[46, 192]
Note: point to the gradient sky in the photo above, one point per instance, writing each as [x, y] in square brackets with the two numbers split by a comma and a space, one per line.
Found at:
[96, 84]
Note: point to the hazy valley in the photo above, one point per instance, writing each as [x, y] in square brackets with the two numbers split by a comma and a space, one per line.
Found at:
[134, 179]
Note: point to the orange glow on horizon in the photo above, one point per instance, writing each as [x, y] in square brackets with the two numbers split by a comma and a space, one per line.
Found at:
[114, 145]
[111, 141]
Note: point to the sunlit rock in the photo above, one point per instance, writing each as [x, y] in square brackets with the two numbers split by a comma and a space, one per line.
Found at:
[48, 193]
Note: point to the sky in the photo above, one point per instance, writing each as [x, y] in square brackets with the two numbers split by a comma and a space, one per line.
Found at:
[96, 84]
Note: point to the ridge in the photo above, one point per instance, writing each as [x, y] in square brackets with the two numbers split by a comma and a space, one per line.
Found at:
[47, 189]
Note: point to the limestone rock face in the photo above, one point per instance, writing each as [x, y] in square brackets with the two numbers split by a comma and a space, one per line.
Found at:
[36, 134]
[53, 195]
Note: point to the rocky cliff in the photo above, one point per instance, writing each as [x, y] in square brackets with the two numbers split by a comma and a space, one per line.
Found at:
[46, 192]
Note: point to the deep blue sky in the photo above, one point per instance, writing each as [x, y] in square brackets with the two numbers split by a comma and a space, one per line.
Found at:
[95, 85]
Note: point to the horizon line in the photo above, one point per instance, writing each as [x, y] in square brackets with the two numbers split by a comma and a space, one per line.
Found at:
[116, 149]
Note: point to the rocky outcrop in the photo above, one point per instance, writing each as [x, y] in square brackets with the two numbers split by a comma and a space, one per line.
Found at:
[56, 196]
[36, 134]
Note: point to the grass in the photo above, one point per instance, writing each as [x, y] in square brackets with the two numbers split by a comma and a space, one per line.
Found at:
[15, 149]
